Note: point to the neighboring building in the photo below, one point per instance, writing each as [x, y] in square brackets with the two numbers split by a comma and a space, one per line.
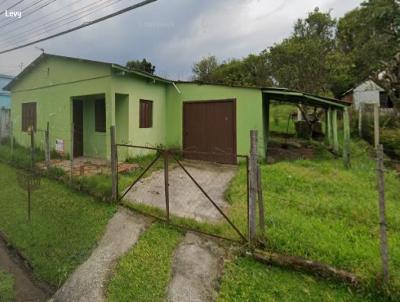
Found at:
[89, 96]
[367, 92]
[4, 95]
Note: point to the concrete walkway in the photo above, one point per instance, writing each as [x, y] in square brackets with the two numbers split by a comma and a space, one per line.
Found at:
[186, 200]
[197, 266]
[88, 281]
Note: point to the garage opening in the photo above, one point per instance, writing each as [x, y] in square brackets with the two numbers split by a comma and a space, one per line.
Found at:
[210, 127]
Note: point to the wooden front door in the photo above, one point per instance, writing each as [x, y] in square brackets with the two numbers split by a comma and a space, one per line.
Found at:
[78, 127]
[210, 127]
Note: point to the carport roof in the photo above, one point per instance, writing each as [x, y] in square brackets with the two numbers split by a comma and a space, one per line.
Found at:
[294, 96]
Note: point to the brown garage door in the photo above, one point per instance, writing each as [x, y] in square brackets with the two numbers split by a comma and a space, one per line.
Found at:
[210, 126]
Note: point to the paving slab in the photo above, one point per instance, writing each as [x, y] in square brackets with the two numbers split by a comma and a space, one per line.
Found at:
[197, 267]
[89, 280]
[186, 200]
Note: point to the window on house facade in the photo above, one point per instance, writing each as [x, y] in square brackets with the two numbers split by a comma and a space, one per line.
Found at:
[146, 114]
[28, 116]
[100, 115]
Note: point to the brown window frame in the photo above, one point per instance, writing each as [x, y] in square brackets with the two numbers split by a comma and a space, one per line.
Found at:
[28, 116]
[100, 115]
[145, 114]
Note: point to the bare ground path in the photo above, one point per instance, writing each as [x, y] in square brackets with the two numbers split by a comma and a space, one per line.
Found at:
[26, 289]
[186, 200]
[89, 280]
[197, 267]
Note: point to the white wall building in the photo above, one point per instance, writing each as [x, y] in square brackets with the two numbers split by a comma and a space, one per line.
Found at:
[368, 92]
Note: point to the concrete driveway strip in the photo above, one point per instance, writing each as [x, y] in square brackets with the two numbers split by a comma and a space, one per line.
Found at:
[197, 266]
[186, 200]
[88, 282]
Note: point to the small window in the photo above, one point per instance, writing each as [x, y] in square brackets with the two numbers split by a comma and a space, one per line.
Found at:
[100, 115]
[28, 116]
[146, 114]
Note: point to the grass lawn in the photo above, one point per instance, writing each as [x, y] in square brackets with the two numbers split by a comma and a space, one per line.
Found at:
[143, 274]
[6, 287]
[65, 225]
[247, 280]
[321, 211]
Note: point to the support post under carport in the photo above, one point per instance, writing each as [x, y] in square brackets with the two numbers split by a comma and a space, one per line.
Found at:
[335, 132]
[266, 111]
[346, 138]
[329, 126]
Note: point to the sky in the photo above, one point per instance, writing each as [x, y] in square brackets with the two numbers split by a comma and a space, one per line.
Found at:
[172, 34]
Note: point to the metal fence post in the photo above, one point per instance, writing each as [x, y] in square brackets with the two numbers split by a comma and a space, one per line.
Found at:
[32, 134]
[261, 211]
[72, 153]
[382, 214]
[253, 187]
[47, 146]
[166, 183]
[114, 163]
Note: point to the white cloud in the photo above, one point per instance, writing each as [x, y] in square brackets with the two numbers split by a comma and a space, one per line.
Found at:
[175, 33]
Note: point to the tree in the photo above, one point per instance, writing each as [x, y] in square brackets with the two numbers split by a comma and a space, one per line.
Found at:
[301, 61]
[389, 78]
[203, 70]
[143, 65]
[369, 34]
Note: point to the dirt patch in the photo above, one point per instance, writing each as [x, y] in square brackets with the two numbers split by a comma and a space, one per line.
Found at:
[85, 166]
[276, 154]
[26, 288]
[186, 200]
[197, 267]
[88, 282]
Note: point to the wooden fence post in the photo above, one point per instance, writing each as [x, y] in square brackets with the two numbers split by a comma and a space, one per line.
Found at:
[114, 163]
[376, 125]
[261, 211]
[166, 183]
[382, 214]
[253, 187]
[47, 146]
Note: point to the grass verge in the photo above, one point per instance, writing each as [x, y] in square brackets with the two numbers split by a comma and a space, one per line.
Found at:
[6, 287]
[247, 280]
[146, 268]
[65, 225]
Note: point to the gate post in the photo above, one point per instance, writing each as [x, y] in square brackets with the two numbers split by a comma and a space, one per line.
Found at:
[114, 165]
[253, 179]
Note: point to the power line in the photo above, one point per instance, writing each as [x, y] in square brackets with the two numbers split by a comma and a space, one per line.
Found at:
[14, 5]
[31, 12]
[49, 27]
[86, 24]
[38, 19]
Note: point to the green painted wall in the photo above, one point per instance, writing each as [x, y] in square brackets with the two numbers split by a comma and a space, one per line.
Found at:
[142, 88]
[248, 111]
[94, 143]
[55, 81]
[52, 84]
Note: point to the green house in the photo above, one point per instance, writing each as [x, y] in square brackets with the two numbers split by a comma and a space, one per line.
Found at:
[81, 99]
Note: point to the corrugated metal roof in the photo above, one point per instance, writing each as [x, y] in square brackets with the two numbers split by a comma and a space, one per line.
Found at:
[293, 96]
